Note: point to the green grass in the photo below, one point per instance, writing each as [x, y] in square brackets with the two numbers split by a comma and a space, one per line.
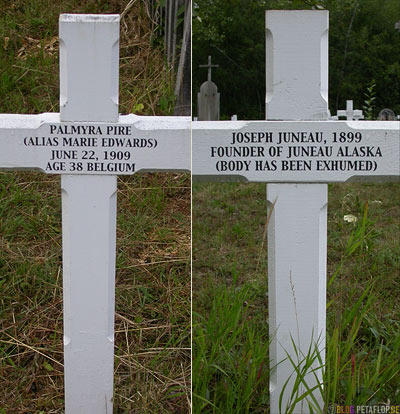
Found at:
[152, 341]
[230, 353]
[363, 306]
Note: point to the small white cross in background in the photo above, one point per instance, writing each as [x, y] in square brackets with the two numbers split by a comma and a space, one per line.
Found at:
[349, 113]
[297, 151]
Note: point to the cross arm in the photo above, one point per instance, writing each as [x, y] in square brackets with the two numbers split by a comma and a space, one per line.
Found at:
[133, 144]
[302, 151]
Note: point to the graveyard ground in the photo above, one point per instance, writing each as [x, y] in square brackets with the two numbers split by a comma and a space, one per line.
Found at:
[152, 362]
[230, 325]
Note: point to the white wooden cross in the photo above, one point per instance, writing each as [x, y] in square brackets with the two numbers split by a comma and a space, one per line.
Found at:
[349, 113]
[90, 144]
[298, 157]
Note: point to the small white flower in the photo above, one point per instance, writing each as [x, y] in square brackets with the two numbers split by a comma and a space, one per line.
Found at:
[349, 218]
[376, 202]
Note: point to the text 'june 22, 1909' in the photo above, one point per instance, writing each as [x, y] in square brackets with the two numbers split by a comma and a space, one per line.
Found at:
[89, 148]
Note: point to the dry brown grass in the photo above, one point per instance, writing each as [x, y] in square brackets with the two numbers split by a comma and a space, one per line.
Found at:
[152, 364]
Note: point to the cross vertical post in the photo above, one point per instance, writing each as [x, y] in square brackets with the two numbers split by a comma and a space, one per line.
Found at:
[276, 151]
[89, 51]
[209, 66]
[297, 89]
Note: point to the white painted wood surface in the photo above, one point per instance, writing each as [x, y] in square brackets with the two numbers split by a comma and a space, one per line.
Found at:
[300, 151]
[89, 92]
[296, 286]
[349, 112]
[88, 131]
[297, 64]
[297, 88]
[129, 145]
[89, 221]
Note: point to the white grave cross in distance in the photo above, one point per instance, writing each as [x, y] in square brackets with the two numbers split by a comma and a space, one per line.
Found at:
[298, 157]
[90, 144]
[349, 113]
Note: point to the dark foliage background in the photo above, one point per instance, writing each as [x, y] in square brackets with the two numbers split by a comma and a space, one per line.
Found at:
[364, 50]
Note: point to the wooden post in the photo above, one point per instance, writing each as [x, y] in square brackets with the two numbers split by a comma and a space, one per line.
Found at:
[272, 152]
[89, 92]
[297, 89]
[80, 148]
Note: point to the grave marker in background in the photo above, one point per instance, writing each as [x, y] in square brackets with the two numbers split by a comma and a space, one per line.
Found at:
[386, 115]
[208, 97]
[309, 149]
[349, 113]
[90, 144]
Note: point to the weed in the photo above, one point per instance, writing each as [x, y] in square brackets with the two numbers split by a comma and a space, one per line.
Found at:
[369, 102]
[230, 355]
[363, 328]
[152, 328]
